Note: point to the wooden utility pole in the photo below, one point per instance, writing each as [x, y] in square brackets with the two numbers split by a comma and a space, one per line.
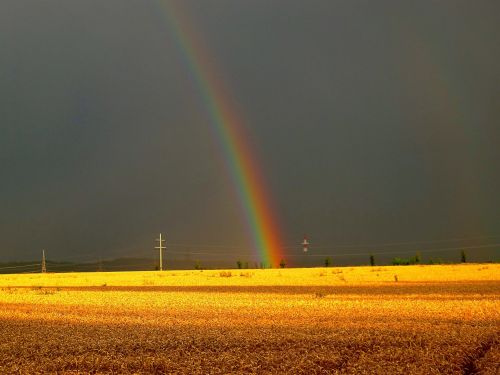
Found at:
[44, 265]
[161, 248]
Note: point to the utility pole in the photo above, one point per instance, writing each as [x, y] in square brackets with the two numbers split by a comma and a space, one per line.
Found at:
[161, 248]
[44, 265]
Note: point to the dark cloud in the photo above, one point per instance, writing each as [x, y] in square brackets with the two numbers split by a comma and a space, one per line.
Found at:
[374, 122]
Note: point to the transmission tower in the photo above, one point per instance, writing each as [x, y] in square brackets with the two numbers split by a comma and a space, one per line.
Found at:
[44, 265]
[305, 244]
[161, 247]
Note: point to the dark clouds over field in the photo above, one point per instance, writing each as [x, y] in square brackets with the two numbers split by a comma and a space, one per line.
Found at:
[376, 122]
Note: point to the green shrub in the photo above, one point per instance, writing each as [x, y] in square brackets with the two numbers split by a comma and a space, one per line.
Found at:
[406, 261]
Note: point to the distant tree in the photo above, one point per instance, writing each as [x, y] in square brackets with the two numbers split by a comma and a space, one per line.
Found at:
[402, 261]
[282, 263]
[197, 266]
[372, 260]
[328, 262]
[463, 257]
[246, 265]
[417, 257]
[239, 263]
[262, 265]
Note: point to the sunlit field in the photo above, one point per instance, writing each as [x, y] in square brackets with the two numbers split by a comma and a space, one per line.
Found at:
[381, 320]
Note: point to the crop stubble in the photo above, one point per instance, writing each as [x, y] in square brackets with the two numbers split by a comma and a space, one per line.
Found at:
[257, 321]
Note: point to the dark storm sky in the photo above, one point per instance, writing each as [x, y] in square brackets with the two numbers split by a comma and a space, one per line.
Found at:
[375, 122]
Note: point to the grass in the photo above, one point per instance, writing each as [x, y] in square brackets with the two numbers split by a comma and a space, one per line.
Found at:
[435, 319]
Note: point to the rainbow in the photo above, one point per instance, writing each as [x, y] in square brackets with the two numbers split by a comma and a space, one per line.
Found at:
[229, 130]
[431, 75]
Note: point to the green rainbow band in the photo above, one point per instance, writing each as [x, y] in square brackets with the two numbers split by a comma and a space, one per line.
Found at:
[229, 130]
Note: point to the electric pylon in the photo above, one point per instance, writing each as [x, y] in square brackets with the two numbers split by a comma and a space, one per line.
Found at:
[305, 244]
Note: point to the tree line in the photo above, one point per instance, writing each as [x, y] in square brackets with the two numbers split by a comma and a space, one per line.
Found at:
[327, 262]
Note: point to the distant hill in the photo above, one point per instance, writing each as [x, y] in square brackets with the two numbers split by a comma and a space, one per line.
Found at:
[119, 264]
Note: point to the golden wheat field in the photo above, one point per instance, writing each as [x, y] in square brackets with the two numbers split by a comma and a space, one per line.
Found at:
[440, 319]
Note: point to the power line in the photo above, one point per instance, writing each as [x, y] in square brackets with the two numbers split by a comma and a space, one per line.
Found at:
[83, 265]
[241, 250]
[403, 243]
[346, 254]
[23, 266]
[416, 242]
[402, 251]
[220, 246]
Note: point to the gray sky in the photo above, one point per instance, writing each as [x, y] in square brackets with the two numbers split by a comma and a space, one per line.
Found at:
[375, 122]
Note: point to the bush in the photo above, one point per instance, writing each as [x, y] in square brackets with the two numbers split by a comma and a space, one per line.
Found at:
[400, 262]
[406, 261]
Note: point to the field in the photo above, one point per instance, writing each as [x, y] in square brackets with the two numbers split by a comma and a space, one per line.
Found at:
[440, 319]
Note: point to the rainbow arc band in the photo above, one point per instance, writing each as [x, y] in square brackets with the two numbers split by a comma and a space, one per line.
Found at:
[229, 130]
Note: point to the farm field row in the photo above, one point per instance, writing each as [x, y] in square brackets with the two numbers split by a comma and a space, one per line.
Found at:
[434, 319]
